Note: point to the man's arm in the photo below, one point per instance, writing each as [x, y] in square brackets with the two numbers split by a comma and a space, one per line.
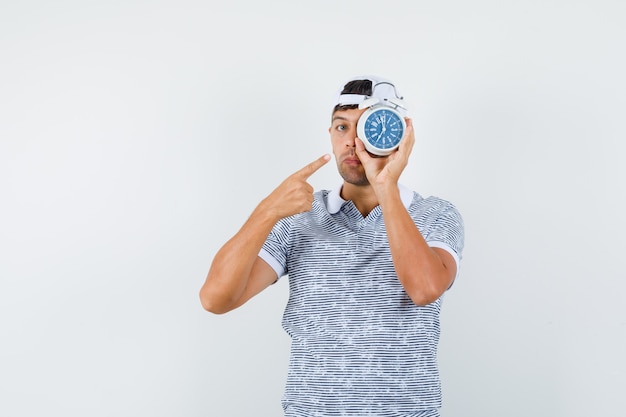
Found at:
[425, 272]
[237, 273]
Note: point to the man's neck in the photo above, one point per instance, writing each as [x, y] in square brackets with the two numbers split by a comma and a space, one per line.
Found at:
[362, 196]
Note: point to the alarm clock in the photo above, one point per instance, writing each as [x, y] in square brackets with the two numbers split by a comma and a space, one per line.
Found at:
[381, 128]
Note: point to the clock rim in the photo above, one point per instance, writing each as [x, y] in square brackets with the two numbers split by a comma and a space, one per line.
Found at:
[361, 130]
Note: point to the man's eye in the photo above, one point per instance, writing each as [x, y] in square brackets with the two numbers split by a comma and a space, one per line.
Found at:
[341, 127]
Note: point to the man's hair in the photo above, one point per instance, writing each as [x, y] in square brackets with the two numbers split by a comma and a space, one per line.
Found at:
[363, 87]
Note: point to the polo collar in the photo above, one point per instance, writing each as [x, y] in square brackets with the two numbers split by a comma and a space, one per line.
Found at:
[334, 202]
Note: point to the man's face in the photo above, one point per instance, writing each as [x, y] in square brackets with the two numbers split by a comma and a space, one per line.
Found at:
[342, 134]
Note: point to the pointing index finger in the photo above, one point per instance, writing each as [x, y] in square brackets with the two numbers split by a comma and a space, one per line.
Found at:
[310, 169]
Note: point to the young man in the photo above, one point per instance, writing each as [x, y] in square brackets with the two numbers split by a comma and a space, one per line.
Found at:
[368, 264]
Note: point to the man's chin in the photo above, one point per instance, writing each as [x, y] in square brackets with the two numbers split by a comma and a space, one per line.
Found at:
[358, 180]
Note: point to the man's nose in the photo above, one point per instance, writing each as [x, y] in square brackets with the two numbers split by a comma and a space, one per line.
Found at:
[350, 140]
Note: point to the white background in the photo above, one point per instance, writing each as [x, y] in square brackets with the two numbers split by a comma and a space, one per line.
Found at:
[137, 136]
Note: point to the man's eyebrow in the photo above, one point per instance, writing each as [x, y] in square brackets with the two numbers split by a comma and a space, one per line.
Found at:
[339, 118]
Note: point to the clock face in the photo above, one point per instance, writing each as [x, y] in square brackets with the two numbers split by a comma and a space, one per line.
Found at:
[381, 129]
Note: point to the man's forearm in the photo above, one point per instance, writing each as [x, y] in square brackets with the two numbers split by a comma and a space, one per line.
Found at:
[230, 270]
[419, 268]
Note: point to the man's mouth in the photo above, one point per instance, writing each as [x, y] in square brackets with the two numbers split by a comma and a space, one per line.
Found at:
[352, 160]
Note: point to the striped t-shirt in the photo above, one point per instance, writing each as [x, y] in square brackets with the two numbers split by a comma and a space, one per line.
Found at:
[360, 346]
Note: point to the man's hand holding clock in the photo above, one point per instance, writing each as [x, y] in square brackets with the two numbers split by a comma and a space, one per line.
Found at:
[383, 171]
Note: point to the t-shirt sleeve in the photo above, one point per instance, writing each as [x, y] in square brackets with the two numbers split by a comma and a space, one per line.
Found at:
[275, 248]
[448, 233]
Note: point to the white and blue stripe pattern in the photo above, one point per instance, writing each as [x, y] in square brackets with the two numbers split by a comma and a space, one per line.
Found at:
[360, 347]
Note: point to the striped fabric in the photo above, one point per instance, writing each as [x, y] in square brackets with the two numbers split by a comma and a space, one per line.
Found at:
[360, 347]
